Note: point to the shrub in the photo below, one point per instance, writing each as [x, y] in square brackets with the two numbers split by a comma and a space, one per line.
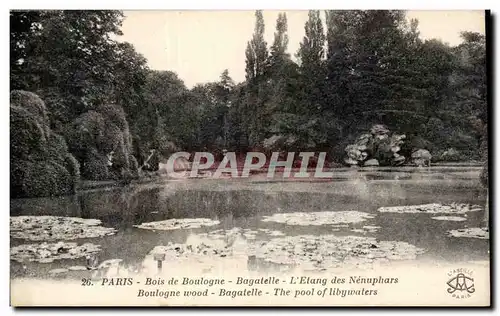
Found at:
[39, 179]
[94, 135]
[113, 138]
[73, 167]
[85, 133]
[27, 136]
[95, 167]
[56, 149]
[32, 103]
[38, 156]
[114, 113]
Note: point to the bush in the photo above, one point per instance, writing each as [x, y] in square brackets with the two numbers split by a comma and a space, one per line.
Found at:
[85, 133]
[95, 167]
[56, 149]
[38, 156]
[32, 103]
[39, 179]
[73, 167]
[113, 138]
[27, 136]
[133, 163]
[94, 135]
[449, 155]
[114, 113]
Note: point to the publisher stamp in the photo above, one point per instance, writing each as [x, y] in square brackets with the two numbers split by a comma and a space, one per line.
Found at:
[461, 283]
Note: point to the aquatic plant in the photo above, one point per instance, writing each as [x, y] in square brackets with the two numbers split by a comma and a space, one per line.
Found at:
[474, 232]
[178, 223]
[330, 251]
[48, 252]
[449, 218]
[434, 208]
[48, 228]
[318, 218]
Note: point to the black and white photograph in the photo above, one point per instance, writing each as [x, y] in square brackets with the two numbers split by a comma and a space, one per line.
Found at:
[250, 158]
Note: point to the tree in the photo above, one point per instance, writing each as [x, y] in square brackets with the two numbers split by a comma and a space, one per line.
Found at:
[256, 66]
[67, 58]
[256, 51]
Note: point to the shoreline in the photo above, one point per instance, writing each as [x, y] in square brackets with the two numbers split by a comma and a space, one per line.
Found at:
[90, 185]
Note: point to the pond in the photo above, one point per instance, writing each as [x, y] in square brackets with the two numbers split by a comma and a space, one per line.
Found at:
[252, 206]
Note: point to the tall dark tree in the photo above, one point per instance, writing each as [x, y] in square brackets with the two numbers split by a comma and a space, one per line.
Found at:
[311, 59]
[256, 51]
[256, 64]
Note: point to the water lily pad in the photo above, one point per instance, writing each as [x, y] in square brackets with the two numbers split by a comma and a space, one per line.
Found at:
[241, 232]
[330, 251]
[340, 226]
[450, 218]
[475, 232]
[46, 252]
[366, 229]
[50, 228]
[357, 230]
[196, 248]
[276, 233]
[318, 218]
[185, 223]
[434, 208]
[109, 263]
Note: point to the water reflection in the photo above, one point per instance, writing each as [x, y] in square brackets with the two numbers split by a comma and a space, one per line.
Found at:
[243, 203]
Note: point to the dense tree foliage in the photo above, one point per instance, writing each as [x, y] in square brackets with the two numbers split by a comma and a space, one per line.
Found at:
[353, 70]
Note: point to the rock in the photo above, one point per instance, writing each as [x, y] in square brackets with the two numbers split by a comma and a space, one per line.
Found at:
[421, 157]
[381, 137]
[350, 161]
[379, 145]
[398, 159]
[371, 163]
[273, 142]
[451, 154]
[419, 162]
[363, 139]
[397, 139]
[421, 154]
[379, 130]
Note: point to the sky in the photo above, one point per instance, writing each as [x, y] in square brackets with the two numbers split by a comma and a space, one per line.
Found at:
[199, 45]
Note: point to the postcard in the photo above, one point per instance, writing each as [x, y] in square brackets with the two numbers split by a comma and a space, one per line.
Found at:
[249, 158]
